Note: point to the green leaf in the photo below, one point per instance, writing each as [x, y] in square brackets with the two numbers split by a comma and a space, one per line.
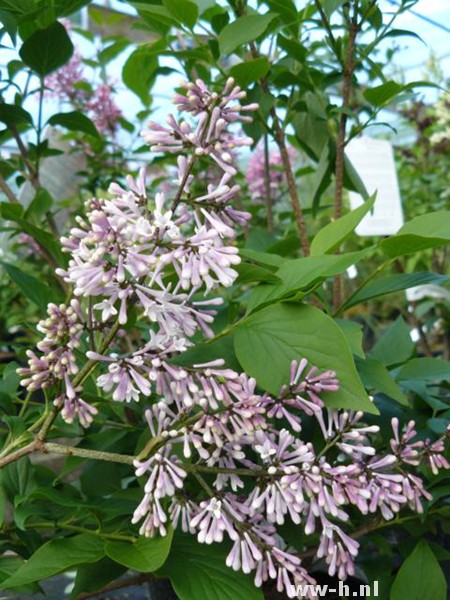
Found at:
[262, 258]
[403, 32]
[420, 577]
[57, 556]
[113, 50]
[269, 340]
[426, 231]
[10, 211]
[75, 121]
[395, 346]
[9, 25]
[93, 577]
[10, 114]
[211, 350]
[243, 30]
[330, 6]
[199, 572]
[8, 566]
[330, 237]
[382, 94]
[352, 180]
[438, 426]
[250, 71]
[145, 555]
[425, 369]
[32, 288]
[377, 378]
[354, 334]
[391, 284]
[302, 275]
[40, 205]
[184, 11]
[138, 73]
[248, 273]
[17, 480]
[45, 240]
[47, 49]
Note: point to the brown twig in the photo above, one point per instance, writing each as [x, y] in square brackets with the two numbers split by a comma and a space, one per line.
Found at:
[18, 454]
[267, 195]
[348, 70]
[118, 585]
[4, 187]
[292, 186]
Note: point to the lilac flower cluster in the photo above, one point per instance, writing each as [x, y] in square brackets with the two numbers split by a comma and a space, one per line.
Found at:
[69, 84]
[256, 175]
[158, 260]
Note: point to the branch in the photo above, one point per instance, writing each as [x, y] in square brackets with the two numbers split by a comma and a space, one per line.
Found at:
[349, 67]
[8, 191]
[267, 197]
[18, 454]
[119, 584]
[281, 143]
[50, 447]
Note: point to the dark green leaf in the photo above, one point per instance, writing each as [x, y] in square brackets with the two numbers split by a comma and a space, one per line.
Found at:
[45, 239]
[145, 555]
[330, 237]
[377, 378]
[243, 30]
[184, 11]
[10, 114]
[47, 49]
[439, 426]
[113, 50]
[57, 556]
[262, 258]
[198, 572]
[250, 71]
[354, 334]
[40, 205]
[75, 121]
[382, 94]
[427, 369]
[402, 33]
[302, 275]
[204, 352]
[9, 24]
[139, 72]
[420, 577]
[427, 231]
[391, 284]
[10, 211]
[17, 480]
[395, 346]
[323, 175]
[269, 340]
[93, 577]
[248, 273]
[32, 288]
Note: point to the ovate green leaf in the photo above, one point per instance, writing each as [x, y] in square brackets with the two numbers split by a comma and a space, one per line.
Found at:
[269, 340]
[243, 30]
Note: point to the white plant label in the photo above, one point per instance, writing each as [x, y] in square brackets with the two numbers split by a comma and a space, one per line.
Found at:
[374, 162]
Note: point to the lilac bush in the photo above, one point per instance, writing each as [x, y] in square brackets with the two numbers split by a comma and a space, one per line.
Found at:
[146, 274]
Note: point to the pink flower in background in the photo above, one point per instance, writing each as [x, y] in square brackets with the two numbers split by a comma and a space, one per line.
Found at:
[70, 84]
[256, 174]
[105, 112]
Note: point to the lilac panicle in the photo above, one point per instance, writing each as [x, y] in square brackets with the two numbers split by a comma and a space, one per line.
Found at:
[160, 258]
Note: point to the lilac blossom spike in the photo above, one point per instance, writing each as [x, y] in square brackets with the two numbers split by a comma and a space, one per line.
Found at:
[158, 259]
